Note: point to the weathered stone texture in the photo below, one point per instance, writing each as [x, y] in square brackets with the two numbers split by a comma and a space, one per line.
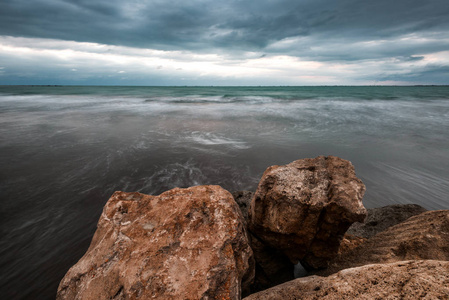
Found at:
[381, 218]
[412, 280]
[304, 208]
[350, 242]
[183, 244]
[425, 236]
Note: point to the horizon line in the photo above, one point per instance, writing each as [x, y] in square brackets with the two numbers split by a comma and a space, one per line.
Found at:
[261, 86]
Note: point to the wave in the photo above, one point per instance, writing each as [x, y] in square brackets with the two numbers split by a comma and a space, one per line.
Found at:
[179, 174]
[226, 99]
[210, 139]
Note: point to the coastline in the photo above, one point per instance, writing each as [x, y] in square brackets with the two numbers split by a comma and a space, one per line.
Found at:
[287, 209]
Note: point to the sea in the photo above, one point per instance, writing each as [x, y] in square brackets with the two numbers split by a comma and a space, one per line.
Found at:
[65, 149]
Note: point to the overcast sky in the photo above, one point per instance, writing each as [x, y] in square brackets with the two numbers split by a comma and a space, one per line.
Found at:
[230, 42]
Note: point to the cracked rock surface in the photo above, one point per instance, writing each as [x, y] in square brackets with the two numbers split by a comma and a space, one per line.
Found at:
[304, 208]
[425, 236]
[422, 279]
[382, 218]
[183, 244]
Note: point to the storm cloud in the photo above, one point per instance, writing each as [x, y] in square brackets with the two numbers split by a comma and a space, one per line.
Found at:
[404, 33]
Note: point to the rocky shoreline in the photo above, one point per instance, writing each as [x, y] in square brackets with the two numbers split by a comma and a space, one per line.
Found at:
[305, 219]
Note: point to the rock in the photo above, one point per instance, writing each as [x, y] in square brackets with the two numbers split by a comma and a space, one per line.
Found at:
[183, 244]
[272, 266]
[350, 242]
[381, 218]
[425, 236]
[243, 199]
[423, 279]
[304, 208]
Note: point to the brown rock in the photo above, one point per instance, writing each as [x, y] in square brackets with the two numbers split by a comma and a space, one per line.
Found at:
[381, 218]
[426, 279]
[272, 266]
[304, 208]
[183, 244]
[350, 242]
[425, 236]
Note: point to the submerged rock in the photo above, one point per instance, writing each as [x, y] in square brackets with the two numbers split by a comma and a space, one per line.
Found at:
[183, 244]
[381, 218]
[425, 236]
[304, 208]
[400, 280]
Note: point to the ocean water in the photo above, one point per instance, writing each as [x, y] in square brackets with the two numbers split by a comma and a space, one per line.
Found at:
[65, 150]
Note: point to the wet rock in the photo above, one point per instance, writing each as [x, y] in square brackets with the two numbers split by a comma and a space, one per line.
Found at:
[381, 218]
[304, 208]
[400, 280]
[183, 244]
[425, 236]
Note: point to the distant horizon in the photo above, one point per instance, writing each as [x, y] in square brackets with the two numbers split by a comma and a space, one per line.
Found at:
[325, 85]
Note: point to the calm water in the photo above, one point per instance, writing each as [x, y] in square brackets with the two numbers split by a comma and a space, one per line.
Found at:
[65, 150]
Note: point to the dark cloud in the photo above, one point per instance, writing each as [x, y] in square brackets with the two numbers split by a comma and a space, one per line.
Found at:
[414, 58]
[429, 74]
[325, 48]
[207, 25]
[397, 41]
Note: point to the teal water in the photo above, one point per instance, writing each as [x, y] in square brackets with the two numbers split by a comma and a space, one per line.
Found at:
[64, 150]
[287, 93]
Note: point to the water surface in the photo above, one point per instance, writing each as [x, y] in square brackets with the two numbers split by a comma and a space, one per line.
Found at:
[65, 150]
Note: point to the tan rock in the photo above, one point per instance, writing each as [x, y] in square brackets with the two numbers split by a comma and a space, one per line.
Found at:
[304, 208]
[350, 242]
[424, 279]
[425, 236]
[183, 244]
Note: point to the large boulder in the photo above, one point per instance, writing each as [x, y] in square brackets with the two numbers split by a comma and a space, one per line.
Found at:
[381, 218]
[427, 279]
[183, 244]
[425, 236]
[304, 208]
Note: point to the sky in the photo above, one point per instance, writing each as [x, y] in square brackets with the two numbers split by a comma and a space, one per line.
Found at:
[229, 42]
